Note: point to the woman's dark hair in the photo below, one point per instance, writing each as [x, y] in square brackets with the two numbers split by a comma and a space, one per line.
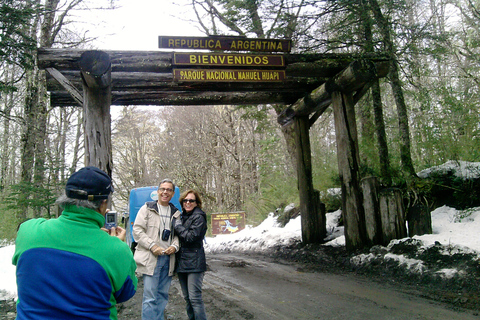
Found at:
[195, 193]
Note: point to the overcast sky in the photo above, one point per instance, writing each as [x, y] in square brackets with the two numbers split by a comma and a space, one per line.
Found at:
[137, 24]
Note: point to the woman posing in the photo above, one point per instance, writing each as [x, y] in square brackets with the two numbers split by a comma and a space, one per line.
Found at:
[191, 262]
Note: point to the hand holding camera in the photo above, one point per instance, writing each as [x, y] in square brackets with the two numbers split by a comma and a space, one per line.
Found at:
[118, 232]
[110, 219]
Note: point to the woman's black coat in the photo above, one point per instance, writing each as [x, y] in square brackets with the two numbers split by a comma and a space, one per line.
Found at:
[191, 232]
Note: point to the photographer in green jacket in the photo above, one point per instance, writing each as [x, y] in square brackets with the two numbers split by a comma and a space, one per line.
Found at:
[70, 267]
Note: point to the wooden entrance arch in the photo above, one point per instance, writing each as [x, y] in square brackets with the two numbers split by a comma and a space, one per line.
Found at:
[97, 79]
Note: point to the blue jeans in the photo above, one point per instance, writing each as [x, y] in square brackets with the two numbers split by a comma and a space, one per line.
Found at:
[155, 290]
[191, 284]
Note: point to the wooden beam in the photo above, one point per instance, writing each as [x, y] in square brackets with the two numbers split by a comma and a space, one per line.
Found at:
[315, 116]
[358, 95]
[353, 78]
[136, 71]
[132, 61]
[299, 65]
[96, 69]
[184, 98]
[65, 83]
[135, 81]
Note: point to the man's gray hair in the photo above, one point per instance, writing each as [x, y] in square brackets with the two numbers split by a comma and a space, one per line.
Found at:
[63, 201]
[169, 181]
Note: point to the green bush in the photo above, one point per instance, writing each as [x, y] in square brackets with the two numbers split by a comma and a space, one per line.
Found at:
[450, 190]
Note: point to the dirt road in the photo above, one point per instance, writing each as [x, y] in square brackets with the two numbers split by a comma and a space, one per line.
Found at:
[242, 287]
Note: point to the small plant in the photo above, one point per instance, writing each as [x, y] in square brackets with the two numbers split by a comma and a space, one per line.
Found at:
[464, 214]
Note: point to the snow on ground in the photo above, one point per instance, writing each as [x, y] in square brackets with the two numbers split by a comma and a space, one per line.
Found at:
[461, 169]
[458, 230]
[8, 285]
[455, 230]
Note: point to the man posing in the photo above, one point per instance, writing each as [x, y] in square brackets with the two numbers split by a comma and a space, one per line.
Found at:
[155, 251]
[69, 268]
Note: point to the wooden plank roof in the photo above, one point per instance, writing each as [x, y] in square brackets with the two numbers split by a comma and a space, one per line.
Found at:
[145, 78]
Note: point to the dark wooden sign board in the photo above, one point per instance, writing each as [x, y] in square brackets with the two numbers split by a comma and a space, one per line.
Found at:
[225, 44]
[227, 59]
[227, 223]
[226, 75]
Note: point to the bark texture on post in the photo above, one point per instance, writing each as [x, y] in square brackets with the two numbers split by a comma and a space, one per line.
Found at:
[392, 215]
[348, 168]
[96, 74]
[370, 189]
[321, 212]
[313, 226]
[419, 220]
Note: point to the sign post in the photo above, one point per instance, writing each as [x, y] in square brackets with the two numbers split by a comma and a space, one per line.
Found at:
[228, 223]
[225, 43]
[217, 66]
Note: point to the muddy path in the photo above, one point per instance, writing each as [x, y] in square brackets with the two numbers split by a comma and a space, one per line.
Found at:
[255, 287]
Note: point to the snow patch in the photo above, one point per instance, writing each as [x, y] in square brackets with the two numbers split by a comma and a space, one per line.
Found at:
[461, 169]
[449, 273]
[413, 265]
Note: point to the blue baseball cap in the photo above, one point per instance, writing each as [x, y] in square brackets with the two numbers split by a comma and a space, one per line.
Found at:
[89, 183]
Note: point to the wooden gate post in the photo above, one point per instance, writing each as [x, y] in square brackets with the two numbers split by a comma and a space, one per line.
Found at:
[370, 189]
[348, 169]
[392, 215]
[313, 222]
[95, 68]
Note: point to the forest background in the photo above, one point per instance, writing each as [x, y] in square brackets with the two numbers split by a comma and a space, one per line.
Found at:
[422, 114]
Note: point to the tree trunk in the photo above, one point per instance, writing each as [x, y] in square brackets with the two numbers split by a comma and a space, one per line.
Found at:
[289, 135]
[252, 7]
[5, 147]
[78, 145]
[395, 83]
[382, 146]
[42, 190]
[28, 141]
[367, 127]
[403, 127]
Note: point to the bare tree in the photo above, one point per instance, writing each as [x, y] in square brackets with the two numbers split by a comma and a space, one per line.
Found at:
[49, 27]
[262, 19]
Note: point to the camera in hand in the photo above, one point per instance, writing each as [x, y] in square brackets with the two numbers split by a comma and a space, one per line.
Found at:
[165, 234]
[110, 219]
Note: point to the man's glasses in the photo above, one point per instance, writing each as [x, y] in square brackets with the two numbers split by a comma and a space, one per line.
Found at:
[165, 190]
[189, 200]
